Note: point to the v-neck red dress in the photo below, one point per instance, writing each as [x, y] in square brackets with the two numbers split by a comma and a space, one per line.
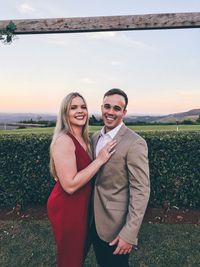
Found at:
[68, 215]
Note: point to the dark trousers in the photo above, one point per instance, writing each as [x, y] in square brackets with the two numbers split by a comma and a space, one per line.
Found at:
[104, 252]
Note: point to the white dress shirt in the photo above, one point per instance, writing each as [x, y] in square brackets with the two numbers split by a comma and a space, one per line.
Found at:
[106, 137]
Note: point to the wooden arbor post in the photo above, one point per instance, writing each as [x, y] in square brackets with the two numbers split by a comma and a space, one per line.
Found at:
[105, 23]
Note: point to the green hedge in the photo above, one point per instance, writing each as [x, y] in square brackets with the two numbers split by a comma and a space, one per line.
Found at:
[24, 173]
[174, 168]
[174, 160]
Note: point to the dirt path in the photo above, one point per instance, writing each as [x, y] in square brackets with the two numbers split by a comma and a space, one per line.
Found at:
[153, 215]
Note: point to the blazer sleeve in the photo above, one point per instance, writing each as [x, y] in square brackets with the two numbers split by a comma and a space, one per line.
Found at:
[139, 190]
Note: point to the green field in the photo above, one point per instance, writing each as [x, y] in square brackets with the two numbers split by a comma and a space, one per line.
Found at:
[151, 128]
[137, 128]
[28, 131]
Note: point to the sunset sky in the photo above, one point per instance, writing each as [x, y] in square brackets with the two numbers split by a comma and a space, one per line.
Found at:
[158, 69]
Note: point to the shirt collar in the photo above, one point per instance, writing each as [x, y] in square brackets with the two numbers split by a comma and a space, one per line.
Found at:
[111, 133]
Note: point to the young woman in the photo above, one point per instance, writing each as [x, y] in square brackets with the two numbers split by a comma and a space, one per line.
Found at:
[72, 168]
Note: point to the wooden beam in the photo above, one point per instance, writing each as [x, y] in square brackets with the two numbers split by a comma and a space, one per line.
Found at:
[106, 23]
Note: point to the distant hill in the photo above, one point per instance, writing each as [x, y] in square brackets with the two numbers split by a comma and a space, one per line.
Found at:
[188, 115]
[17, 117]
[191, 114]
[143, 118]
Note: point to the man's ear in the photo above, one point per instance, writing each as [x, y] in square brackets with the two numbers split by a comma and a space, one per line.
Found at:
[125, 111]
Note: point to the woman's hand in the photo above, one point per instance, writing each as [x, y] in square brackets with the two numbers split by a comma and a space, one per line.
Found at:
[107, 151]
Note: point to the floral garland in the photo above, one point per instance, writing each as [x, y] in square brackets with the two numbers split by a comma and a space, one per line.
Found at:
[7, 34]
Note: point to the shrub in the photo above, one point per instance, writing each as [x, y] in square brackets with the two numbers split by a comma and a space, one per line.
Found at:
[174, 159]
[174, 168]
[24, 175]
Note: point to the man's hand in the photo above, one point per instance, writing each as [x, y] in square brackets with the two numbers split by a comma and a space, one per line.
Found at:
[122, 246]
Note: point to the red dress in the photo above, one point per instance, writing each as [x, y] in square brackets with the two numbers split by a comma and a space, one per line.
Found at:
[68, 215]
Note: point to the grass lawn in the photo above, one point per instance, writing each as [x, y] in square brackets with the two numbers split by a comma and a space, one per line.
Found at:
[30, 244]
[48, 130]
[137, 128]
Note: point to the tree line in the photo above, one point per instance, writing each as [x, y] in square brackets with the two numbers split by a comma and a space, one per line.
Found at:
[99, 122]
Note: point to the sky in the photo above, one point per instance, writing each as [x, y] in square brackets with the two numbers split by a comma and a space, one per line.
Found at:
[158, 69]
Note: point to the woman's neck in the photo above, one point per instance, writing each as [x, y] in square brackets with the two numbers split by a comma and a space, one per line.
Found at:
[77, 131]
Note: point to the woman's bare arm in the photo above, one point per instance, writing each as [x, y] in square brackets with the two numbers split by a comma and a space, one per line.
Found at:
[63, 152]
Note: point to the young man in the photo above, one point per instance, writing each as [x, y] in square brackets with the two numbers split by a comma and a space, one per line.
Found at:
[122, 187]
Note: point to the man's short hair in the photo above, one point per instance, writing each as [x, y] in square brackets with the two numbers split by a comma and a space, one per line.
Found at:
[117, 91]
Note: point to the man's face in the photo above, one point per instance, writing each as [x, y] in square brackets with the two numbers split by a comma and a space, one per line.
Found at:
[113, 111]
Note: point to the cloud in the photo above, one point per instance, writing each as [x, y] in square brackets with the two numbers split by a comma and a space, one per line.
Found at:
[188, 93]
[115, 63]
[87, 80]
[128, 40]
[26, 9]
[120, 38]
[102, 35]
[64, 40]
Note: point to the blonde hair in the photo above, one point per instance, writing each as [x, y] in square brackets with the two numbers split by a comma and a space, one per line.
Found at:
[63, 126]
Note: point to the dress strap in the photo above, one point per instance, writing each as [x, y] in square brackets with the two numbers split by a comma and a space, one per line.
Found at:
[76, 142]
[72, 137]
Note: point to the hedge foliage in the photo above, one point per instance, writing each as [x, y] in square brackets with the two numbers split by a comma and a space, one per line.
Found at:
[174, 159]
[174, 168]
[24, 173]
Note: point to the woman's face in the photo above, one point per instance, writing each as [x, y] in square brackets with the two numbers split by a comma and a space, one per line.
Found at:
[78, 113]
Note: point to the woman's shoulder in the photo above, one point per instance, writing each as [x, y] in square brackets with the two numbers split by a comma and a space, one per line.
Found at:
[63, 139]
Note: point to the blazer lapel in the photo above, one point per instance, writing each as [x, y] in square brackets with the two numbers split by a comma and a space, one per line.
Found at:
[120, 133]
[118, 137]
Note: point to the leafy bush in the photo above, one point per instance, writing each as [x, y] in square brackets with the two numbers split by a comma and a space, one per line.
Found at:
[24, 174]
[174, 159]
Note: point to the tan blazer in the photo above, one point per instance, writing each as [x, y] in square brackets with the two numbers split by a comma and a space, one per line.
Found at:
[122, 188]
